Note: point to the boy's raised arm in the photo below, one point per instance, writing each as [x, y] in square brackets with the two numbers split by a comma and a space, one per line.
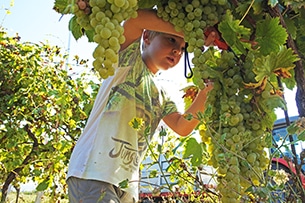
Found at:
[146, 19]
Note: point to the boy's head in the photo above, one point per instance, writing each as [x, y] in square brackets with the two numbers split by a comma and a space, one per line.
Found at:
[161, 51]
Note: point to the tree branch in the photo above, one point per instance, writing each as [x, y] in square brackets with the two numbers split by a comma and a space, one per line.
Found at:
[12, 175]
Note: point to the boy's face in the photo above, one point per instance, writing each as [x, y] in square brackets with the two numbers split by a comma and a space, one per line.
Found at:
[163, 51]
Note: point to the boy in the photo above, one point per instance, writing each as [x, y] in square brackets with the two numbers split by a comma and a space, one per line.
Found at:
[110, 150]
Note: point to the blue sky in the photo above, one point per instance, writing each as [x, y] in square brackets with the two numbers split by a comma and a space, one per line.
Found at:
[36, 21]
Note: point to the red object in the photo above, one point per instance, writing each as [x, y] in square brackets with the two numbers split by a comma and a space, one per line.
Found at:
[220, 43]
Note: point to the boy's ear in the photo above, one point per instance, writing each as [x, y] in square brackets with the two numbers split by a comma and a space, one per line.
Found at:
[145, 37]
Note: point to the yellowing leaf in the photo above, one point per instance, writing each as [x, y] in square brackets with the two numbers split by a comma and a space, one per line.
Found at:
[260, 85]
[264, 66]
[282, 72]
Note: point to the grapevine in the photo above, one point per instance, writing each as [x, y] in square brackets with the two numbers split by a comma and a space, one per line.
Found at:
[235, 136]
[236, 125]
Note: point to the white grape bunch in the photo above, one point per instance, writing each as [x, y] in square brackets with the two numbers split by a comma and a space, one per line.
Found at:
[236, 127]
[104, 18]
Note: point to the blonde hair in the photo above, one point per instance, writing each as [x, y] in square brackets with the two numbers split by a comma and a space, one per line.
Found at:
[151, 34]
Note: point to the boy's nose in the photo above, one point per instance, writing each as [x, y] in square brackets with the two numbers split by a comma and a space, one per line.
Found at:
[177, 51]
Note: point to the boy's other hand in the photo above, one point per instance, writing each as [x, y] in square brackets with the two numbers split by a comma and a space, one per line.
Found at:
[213, 38]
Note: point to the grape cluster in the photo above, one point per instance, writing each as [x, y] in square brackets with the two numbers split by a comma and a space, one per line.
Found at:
[104, 18]
[236, 128]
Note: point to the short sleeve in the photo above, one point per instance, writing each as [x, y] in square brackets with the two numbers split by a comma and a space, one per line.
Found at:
[169, 105]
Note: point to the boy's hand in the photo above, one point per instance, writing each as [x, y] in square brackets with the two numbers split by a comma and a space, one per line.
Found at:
[212, 38]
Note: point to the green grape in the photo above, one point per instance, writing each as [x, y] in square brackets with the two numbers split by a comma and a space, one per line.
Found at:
[236, 138]
[189, 26]
[197, 12]
[236, 109]
[172, 5]
[100, 3]
[251, 158]
[234, 130]
[222, 170]
[191, 17]
[233, 161]
[189, 8]
[196, 3]
[105, 33]
[222, 2]
[266, 94]
[119, 3]
[206, 10]
[225, 107]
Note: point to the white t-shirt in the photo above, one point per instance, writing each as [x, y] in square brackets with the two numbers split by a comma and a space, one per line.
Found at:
[110, 149]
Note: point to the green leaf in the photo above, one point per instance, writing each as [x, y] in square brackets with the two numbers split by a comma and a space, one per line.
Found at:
[124, 184]
[146, 3]
[90, 34]
[273, 3]
[268, 140]
[75, 28]
[43, 185]
[153, 173]
[60, 6]
[291, 28]
[159, 148]
[193, 149]
[232, 31]
[272, 102]
[162, 132]
[270, 35]
[292, 129]
[258, 7]
[301, 136]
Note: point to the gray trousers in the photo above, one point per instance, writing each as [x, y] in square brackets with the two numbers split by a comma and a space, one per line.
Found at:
[93, 191]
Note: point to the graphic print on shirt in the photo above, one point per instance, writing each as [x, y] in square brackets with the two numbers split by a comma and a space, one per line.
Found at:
[126, 153]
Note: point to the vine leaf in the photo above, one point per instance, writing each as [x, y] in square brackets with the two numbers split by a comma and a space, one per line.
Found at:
[270, 35]
[272, 102]
[146, 3]
[75, 28]
[291, 28]
[60, 6]
[43, 185]
[282, 61]
[90, 34]
[232, 31]
[273, 3]
[194, 150]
